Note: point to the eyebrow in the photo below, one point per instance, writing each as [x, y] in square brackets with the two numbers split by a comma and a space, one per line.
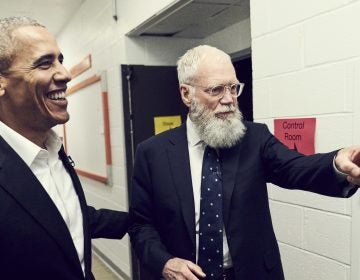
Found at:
[47, 57]
[223, 84]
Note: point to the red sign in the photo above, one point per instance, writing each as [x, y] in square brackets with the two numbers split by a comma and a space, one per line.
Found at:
[297, 134]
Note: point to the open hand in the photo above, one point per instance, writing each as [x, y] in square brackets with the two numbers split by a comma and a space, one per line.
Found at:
[180, 269]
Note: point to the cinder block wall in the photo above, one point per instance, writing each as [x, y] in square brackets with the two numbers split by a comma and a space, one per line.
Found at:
[306, 57]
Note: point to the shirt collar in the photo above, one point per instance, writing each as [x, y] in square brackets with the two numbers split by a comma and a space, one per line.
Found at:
[193, 136]
[26, 149]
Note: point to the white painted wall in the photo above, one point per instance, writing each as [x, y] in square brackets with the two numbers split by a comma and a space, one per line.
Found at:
[306, 58]
[93, 31]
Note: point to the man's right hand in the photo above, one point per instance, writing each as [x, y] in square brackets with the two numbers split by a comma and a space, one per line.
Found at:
[180, 269]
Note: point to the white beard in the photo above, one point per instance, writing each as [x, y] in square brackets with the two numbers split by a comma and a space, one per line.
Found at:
[214, 131]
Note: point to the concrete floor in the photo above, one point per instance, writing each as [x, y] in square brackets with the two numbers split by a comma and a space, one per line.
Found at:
[101, 271]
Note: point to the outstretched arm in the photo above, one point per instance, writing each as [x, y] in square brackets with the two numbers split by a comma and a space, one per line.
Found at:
[105, 223]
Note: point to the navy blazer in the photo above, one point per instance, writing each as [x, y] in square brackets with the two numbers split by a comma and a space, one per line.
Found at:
[162, 203]
[35, 242]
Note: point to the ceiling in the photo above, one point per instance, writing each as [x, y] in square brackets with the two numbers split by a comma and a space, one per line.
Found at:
[194, 18]
[54, 14]
[184, 19]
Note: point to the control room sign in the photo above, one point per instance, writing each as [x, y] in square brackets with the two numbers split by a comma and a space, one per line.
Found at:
[297, 134]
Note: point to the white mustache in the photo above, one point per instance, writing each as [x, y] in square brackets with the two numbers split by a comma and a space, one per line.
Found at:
[227, 111]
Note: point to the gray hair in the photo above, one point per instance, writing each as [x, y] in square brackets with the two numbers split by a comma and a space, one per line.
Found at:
[187, 64]
[7, 41]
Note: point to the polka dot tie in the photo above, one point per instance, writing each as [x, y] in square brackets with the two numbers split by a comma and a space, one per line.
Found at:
[211, 222]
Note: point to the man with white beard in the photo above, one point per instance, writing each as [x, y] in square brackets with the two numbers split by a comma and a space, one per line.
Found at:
[199, 203]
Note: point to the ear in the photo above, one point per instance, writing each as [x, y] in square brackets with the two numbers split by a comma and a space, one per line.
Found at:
[185, 94]
[2, 85]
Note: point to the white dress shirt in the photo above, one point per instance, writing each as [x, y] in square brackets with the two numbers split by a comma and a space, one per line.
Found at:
[196, 152]
[50, 171]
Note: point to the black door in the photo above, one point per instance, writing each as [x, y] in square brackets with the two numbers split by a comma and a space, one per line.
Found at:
[243, 69]
[148, 92]
[151, 91]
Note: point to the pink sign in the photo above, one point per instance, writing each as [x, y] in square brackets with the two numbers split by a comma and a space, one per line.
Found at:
[297, 134]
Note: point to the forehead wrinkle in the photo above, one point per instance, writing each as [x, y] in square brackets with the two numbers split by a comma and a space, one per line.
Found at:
[33, 57]
[217, 76]
[35, 39]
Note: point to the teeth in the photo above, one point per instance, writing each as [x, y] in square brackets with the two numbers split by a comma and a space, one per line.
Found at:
[57, 95]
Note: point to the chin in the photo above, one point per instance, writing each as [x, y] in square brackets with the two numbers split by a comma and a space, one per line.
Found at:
[61, 119]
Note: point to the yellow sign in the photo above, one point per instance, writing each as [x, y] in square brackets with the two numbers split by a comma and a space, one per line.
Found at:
[166, 122]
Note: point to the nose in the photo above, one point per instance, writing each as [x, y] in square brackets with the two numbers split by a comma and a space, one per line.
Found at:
[62, 74]
[227, 98]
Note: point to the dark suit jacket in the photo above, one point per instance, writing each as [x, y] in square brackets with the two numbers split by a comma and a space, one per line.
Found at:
[35, 242]
[162, 203]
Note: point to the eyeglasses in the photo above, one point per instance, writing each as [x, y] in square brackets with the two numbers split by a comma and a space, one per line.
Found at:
[219, 90]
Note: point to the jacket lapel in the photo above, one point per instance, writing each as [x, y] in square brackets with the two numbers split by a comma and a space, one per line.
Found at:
[18, 180]
[180, 167]
[83, 205]
[229, 162]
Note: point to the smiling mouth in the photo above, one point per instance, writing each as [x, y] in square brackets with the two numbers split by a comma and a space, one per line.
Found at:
[60, 95]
